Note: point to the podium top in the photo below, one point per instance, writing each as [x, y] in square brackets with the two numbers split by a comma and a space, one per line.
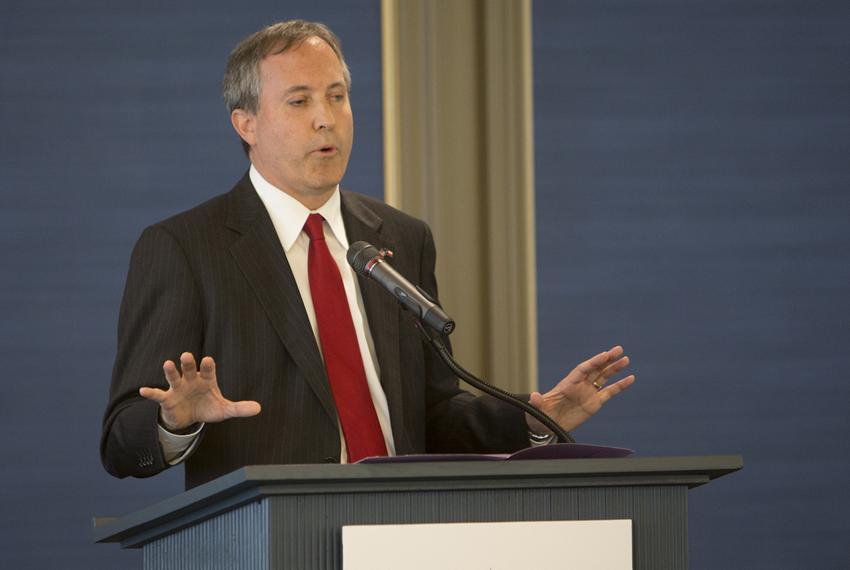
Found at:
[255, 482]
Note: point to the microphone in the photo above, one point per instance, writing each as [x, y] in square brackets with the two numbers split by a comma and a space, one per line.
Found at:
[367, 261]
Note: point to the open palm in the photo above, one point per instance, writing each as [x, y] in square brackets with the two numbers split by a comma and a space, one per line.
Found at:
[194, 396]
[583, 391]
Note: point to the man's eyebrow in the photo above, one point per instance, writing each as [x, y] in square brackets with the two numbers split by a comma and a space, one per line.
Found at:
[298, 88]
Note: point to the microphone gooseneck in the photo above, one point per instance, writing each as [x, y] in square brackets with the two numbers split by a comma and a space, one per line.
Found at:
[446, 356]
[368, 261]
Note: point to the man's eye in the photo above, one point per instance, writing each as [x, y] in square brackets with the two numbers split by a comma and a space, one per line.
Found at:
[298, 102]
[338, 97]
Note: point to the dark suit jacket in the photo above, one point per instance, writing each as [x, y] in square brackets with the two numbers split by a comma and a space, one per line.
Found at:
[215, 281]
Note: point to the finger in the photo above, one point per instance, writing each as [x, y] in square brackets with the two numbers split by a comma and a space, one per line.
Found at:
[615, 352]
[154, 394]
[172, 376]
[601, 376]
[593, 365]
[610, 391]
[187, 365]
[243, 409]
[207, 368]
[602, 379]
[613, 369]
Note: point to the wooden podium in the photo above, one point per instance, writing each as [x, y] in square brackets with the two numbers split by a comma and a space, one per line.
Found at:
[291, 516]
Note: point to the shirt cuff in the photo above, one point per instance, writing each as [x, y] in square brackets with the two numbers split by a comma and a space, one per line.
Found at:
[176, 448]
[537, 440]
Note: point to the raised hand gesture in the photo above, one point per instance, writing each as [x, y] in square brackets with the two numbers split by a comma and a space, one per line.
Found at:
[193, 396]
[583, 391]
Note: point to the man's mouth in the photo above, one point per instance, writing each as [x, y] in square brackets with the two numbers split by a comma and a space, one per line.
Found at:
[328, 150]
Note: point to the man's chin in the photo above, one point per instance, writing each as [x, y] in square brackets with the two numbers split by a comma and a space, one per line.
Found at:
[321, 189]
[324, 186]
[324, 181]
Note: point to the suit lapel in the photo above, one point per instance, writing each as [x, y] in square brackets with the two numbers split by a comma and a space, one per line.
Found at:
[382, 311]
[259, 255]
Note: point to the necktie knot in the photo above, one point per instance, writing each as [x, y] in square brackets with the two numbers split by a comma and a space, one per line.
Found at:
[313, 227]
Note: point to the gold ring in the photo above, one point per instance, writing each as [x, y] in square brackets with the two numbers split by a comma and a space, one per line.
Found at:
[596, 385]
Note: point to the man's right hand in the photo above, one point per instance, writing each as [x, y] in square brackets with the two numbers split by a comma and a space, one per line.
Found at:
[194, 396]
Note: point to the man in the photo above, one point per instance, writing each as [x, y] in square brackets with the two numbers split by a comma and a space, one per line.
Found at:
[312, 364]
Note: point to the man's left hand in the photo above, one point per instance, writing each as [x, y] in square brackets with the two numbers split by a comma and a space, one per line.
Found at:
[583, 391]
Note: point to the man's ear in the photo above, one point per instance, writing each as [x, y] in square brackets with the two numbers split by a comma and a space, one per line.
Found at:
[244, 123]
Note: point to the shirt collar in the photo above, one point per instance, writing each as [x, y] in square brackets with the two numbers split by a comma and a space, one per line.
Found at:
[289, 215]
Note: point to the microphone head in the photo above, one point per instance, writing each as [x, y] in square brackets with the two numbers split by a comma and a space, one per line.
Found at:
[359, 254]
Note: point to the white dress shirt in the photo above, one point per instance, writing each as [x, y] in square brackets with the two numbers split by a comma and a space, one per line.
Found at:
[289, 216]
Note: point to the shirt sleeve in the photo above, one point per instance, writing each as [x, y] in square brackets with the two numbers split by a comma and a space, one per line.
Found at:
[176, 448]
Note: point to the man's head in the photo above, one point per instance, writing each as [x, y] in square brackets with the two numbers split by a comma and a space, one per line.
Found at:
[286, 88]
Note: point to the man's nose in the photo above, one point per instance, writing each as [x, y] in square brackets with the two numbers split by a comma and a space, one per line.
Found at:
[324, 118]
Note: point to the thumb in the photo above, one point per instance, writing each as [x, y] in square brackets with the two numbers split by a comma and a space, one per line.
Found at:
[244, 409]
[534, 424]
[536, 400]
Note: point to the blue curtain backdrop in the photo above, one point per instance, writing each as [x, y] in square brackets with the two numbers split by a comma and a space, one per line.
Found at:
[112, 120]
[693, 204]
[692, 180]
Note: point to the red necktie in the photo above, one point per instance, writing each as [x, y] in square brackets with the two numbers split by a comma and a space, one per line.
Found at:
[360, 427]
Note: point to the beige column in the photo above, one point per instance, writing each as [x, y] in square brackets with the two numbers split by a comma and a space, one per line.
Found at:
[458, 152]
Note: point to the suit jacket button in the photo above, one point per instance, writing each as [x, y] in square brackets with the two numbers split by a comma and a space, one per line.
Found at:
[331, 459]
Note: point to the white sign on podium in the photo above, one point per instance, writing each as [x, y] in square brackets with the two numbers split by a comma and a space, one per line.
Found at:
[541, 545]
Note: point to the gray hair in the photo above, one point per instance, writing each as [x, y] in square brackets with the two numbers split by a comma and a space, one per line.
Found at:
[241, 83]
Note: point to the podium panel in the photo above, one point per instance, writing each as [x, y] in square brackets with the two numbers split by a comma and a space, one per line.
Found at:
[291, 516]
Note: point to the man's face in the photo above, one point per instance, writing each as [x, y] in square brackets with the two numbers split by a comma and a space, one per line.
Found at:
[302, 132]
